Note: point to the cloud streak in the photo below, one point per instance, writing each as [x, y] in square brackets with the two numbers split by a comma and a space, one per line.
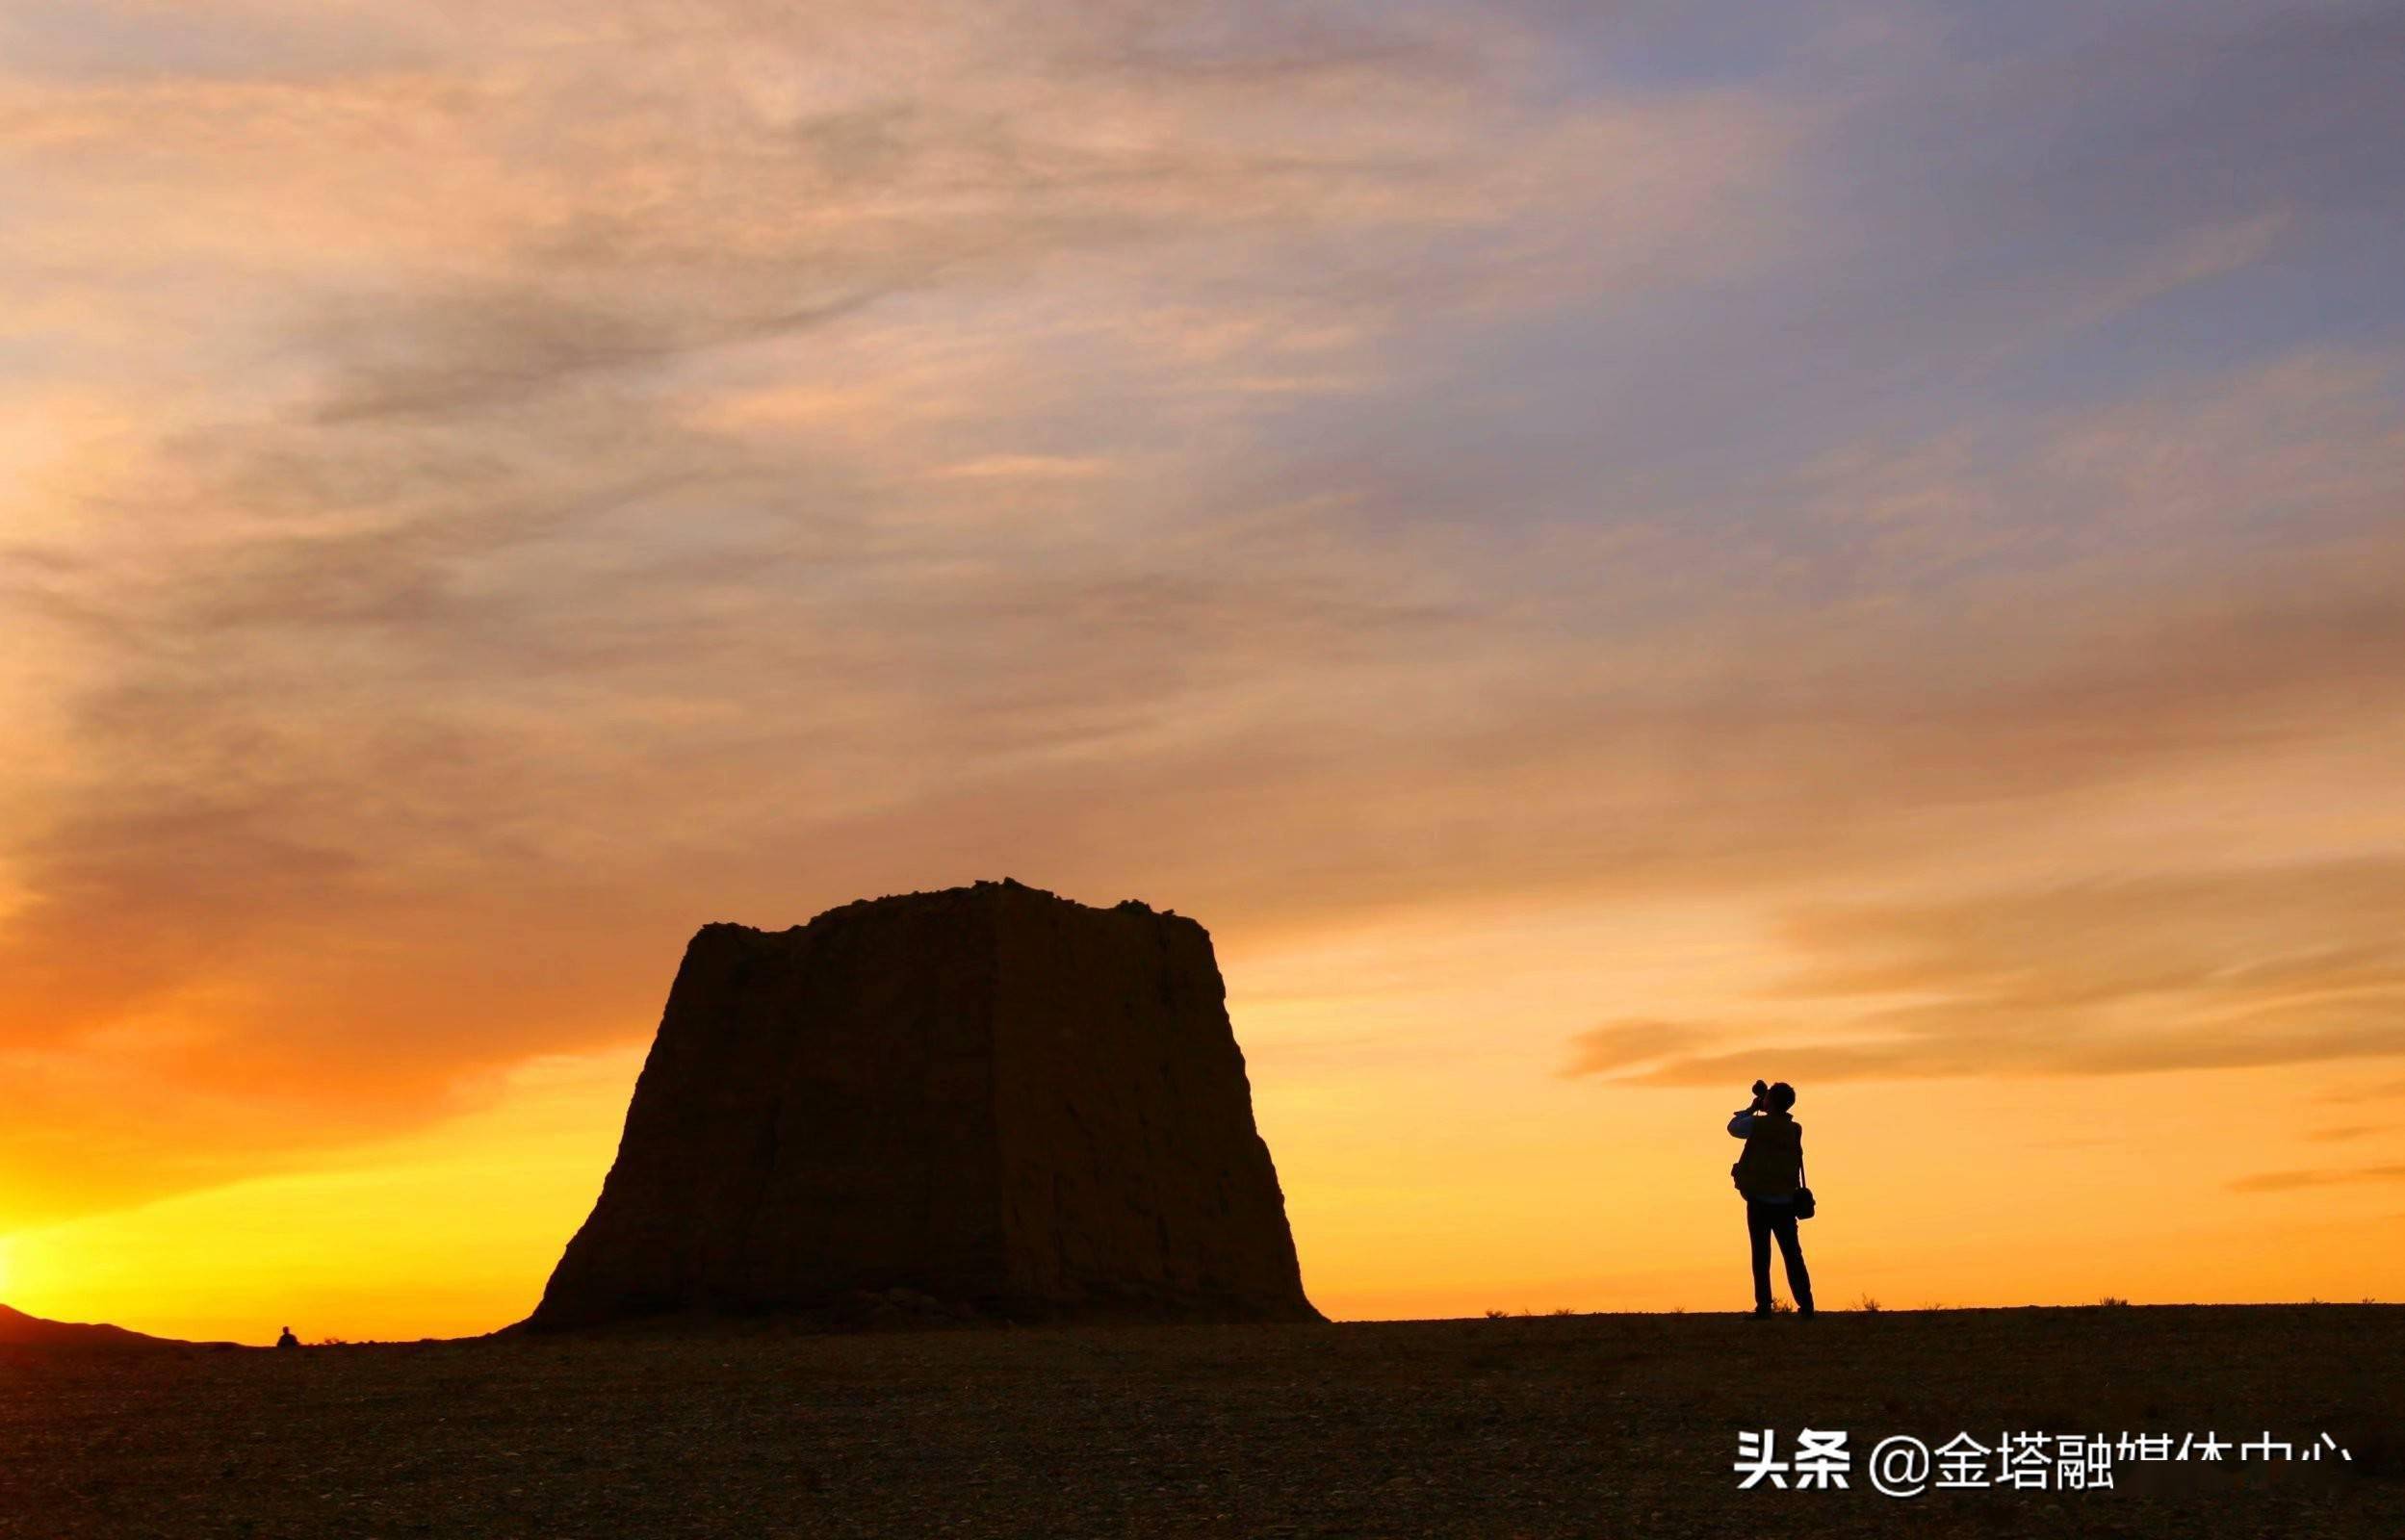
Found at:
[2289, 1181]
[2218, 969]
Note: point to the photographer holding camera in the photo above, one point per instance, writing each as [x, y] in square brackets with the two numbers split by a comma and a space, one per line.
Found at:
[1770, 1174]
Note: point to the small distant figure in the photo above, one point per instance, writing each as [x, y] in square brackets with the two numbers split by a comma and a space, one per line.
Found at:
[288, 1340]
[1770, 1174]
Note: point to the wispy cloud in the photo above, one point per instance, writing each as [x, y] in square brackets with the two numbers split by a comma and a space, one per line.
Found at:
[2199, 971]
[1616, 1045]
[2289, 1181]
[1032, 467]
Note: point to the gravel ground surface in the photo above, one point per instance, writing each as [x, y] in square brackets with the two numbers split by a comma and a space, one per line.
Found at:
[1605, 1425]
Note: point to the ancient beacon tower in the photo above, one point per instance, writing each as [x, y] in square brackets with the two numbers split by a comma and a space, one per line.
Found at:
[991, 1096]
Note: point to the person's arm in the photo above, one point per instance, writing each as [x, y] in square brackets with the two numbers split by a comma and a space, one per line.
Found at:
[1741, 1126]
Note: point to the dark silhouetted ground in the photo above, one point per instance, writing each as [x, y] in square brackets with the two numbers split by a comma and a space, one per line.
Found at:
[1551, 1425]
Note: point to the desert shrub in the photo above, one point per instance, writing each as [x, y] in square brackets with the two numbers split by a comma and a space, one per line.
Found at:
[1867, 1305]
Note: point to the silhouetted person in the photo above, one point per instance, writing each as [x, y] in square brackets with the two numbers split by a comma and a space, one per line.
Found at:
[288, 1340]
[1768, 1175]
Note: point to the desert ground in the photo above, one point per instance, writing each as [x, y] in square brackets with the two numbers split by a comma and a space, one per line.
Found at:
[1590, 1425]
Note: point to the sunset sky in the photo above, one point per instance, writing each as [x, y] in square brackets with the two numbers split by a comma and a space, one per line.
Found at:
[1604, 551]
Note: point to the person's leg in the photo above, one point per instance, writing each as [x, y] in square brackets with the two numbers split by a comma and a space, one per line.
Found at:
[1791, 1247]
[1758, 1233]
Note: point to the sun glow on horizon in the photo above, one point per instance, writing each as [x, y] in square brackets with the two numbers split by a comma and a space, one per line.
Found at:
[447, 1232]
[1520, 1189]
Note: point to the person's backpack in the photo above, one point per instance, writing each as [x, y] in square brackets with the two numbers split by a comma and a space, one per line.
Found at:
[1803, 1205]
[1772, 1160]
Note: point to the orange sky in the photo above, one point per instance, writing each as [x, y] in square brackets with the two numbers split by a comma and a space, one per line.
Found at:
[1599, 563]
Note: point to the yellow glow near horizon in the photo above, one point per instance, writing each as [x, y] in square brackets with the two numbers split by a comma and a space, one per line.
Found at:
[447, 1233]
[1419, 1183]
